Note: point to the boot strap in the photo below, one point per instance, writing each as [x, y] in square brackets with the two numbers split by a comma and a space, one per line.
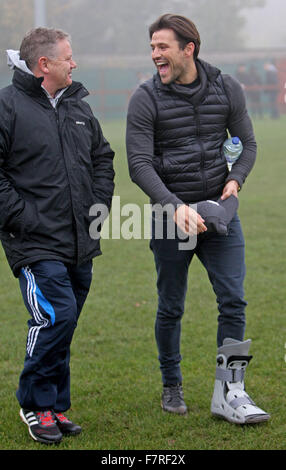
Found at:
[230, 375]
[246, 400]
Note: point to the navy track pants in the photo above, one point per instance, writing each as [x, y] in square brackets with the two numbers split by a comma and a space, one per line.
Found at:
[54, 294]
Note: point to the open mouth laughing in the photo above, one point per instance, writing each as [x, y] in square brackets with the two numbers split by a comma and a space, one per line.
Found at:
[162, 66]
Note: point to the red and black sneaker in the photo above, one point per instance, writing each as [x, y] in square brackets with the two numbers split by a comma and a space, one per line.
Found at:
[66, 426]
[42, 426]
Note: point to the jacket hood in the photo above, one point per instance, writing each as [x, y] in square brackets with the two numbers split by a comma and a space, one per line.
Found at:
[14, 61]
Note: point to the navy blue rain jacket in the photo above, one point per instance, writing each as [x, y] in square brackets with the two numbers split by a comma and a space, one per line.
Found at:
[54, 165]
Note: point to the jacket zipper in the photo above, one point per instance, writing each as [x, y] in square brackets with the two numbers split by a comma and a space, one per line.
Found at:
[68, 177]
[202, 162]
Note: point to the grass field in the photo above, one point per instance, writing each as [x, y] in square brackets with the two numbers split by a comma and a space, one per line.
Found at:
[116, 382]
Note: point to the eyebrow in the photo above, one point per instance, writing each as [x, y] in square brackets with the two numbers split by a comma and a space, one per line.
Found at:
[159, 44]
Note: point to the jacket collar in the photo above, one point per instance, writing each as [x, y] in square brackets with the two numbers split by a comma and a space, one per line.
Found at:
[33, 86]
[207, 74]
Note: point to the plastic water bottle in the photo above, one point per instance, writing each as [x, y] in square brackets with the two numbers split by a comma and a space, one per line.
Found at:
[232, 149]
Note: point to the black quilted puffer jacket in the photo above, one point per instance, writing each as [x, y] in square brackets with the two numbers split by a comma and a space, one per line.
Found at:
[176, 133]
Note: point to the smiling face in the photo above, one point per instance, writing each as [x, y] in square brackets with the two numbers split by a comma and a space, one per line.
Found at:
[57, 68]
[61, 66]
[173, 63]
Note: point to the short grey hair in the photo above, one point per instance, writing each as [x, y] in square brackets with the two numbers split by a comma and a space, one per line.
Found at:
[40, 42]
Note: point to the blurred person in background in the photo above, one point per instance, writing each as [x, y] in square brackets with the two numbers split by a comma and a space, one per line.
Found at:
[176, 125]
[54, 165]
[255, 93]
[250, 82]
[242, 75]
[271, 89]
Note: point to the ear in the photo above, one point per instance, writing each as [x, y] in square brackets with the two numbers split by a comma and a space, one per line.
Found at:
[43, 64]
[189, 49]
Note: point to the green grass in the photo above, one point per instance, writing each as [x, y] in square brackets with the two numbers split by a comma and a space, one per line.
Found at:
[116, 382]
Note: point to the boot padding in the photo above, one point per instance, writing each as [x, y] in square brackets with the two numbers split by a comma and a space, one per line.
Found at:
[233, 347]
[230, 401]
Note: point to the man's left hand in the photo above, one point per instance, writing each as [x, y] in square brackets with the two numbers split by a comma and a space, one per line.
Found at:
[231, 187]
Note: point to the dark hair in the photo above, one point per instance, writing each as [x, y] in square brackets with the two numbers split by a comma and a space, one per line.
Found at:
[40, 42]
[184, 29]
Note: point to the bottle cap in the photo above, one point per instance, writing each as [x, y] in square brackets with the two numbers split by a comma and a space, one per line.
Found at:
[235, 140]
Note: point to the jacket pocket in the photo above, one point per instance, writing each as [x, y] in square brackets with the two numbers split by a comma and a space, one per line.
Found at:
[29, 220]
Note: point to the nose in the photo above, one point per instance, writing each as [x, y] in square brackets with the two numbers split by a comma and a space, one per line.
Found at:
[73, 64]
[155, 53]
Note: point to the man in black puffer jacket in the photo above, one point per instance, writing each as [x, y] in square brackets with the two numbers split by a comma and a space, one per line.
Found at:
[54, 165]
[176, 126]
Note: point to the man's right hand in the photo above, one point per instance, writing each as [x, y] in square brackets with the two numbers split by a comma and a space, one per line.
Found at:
[189, 221]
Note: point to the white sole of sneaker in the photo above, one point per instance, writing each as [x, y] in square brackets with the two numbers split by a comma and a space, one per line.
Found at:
[36, 438]
[23, 418]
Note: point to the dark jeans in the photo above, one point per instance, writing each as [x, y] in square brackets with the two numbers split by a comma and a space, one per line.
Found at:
[223, 258]
[54, 294]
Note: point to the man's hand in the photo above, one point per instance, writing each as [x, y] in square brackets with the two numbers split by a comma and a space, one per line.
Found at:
[231, 187]
[189, 221]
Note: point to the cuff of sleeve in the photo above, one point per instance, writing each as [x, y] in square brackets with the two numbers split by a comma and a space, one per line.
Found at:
[237, 179]
[173, 201]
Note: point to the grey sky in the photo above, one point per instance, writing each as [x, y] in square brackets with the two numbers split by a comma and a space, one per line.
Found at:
[266, 27]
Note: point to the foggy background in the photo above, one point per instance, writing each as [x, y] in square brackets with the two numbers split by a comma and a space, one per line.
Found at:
[120, 26]
[111, 44]
[265, 27]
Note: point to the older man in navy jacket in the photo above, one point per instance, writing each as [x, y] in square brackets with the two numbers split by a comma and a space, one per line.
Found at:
[54, 165]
